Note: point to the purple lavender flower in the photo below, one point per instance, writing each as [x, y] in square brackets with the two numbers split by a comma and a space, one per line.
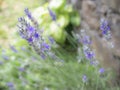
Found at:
[89, 55]
[52, 14]
[32, 34]
[13, 48]
[88, 52]
[104, 26]
[45, 45]
[28, 13]
[51, 40]
[106, 31]
[86, 40]
[30, 40]
[21, 69]
[5, 57]
[10, 84]
[84, 78]
[30, 29]
[101, 70]
[20, 19]
[43, 56]
[94, 62]
[23, 48]
[36, 35]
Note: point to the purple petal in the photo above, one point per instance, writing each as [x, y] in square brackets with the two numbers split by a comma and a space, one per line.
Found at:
[30, 40]
[10, 84]
[13, 49]
[101, 70]
[45, 45]
[27, 12]
[86, 40]
[84, 78]
[52, 14]
[21, 69]
[51, 40]
[36, 35]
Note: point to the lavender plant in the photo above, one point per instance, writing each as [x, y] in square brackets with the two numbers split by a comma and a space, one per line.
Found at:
[105, 28]
[106, 31]
[87, 50]
[89, 54]
[23, 69]
[34, 35]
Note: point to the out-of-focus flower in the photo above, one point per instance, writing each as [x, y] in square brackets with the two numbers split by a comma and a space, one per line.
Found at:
[87, 50]
[89, 54]
[86, 40]
[34, 35]
[106, 31]
[13, 48]
[84, 78]
[43, 56]
[51, 40]
[5, 57]
[101, 70]
[52, 14]
[21, 69]
[31, 34]
[105, 28]
[10, 84]
[28, 13]
[94, 62]
[45, 46]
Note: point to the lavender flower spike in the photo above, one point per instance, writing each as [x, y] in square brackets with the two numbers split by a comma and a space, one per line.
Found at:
[13, 48]
[105, 28]
[84, 78]
[10, 84]
[52, 14]
[89, 54]
[29, 15]
[31, 34]
[106, 31]
[87, 50]
[34, 35]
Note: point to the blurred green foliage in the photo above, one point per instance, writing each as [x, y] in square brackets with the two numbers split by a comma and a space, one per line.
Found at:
[54, 75]
[3, 34]
[66, 17]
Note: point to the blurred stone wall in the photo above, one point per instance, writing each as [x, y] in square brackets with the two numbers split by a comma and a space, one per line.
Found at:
[91, 12]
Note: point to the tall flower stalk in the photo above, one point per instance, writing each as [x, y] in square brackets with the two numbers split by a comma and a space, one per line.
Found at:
[31, 32]
[106, 31]
[87, 50]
